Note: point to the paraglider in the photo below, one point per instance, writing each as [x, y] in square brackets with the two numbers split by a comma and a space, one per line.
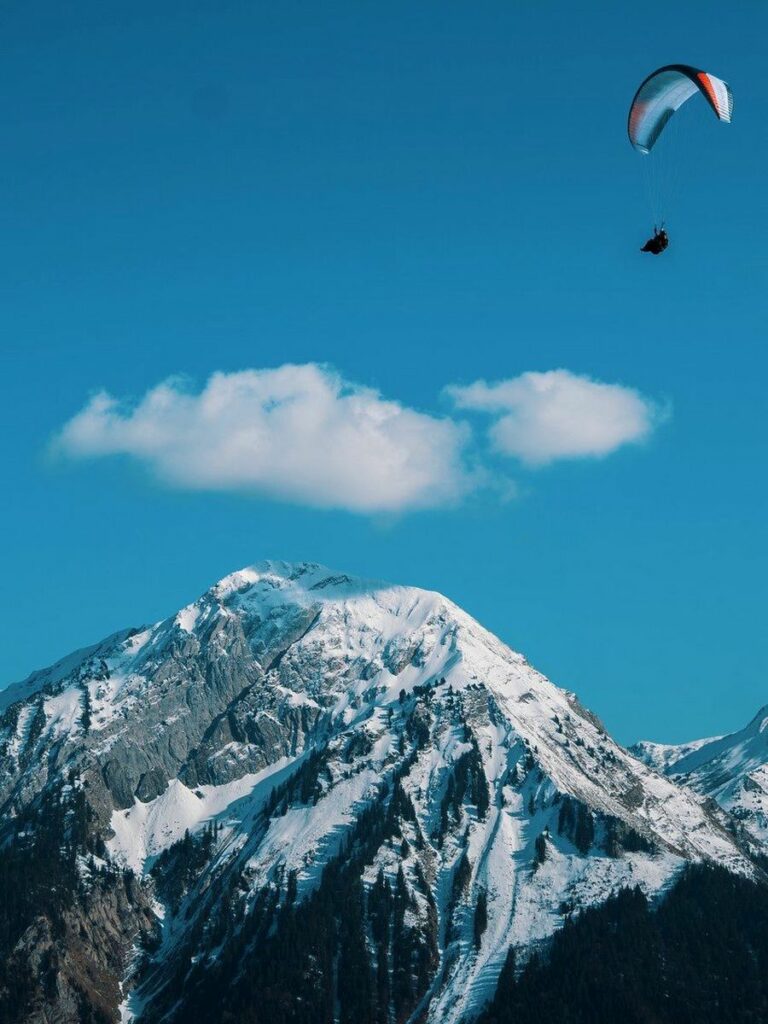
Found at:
[661, 94]
[658, 243]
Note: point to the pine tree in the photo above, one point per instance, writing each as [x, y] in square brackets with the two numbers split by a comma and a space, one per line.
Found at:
[481, 917]
[540, 850]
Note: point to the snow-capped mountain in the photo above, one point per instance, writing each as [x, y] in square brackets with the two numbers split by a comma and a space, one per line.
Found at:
[354, 771]
[733, 770]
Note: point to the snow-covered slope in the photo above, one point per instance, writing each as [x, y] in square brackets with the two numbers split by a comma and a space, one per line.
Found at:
[62, 669]
[275, 716]
[732, 769]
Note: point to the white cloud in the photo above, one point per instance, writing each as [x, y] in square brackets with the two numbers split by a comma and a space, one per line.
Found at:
[304, 434]
[541, 417]
[299, 433]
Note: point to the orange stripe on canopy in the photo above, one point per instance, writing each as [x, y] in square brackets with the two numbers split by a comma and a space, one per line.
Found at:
[703, 77]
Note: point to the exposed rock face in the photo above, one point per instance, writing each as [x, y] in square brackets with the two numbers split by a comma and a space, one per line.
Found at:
[76, 965]
[354, 771]
[157, 704]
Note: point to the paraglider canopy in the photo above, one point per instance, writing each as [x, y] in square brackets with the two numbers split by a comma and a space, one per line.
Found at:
[664, 92]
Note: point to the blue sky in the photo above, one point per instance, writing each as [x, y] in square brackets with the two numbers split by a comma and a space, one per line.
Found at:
[418, 196]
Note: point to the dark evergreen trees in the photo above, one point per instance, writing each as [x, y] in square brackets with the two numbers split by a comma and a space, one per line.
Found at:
[340, 954]
[540, 850]
[481, 918]
[700, 958]
[576, 822]
[39, 880]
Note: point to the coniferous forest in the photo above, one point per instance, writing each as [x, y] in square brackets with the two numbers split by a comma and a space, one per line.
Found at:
[700, 957]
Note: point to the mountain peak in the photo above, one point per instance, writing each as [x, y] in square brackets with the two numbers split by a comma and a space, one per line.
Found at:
[292, 579]
[292, 712]
[302, 574]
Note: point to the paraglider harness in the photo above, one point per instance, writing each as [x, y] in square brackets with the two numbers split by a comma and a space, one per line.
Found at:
[658, 243]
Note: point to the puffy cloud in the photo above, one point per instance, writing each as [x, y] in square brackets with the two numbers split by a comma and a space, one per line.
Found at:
[299, 433]
[304, 434]
[542, 417]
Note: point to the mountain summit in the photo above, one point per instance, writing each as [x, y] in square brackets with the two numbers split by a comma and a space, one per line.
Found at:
[318, 795]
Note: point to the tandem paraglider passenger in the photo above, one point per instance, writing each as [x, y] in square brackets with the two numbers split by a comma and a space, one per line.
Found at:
[658, 243]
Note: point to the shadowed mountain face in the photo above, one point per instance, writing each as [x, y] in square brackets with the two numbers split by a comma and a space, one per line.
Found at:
[307, 797]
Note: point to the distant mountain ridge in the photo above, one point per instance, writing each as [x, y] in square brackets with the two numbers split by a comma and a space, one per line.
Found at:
[353, 770]
[732, 769]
